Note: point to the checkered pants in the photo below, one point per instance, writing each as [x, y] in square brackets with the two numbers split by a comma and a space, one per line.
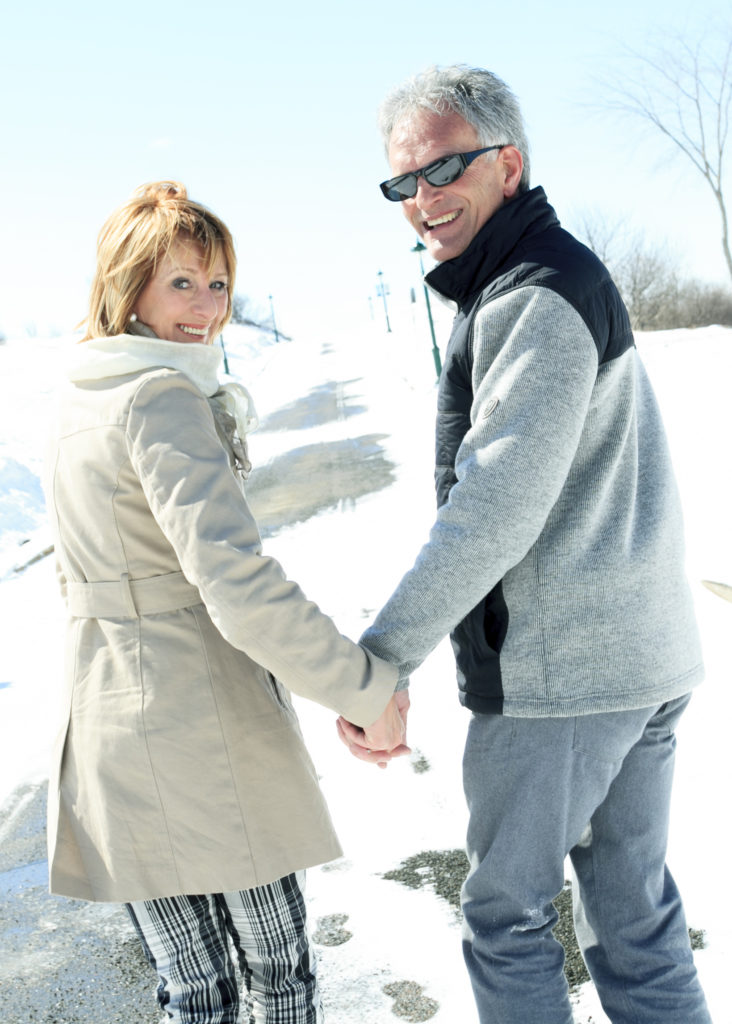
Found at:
[189, 941]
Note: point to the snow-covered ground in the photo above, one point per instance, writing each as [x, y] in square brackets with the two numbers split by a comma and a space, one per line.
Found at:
[348, 559]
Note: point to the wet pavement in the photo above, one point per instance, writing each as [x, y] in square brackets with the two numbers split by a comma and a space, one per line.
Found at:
[61, 961]
[303, 481]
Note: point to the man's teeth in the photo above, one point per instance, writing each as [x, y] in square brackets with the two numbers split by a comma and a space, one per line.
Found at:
[442, 220]
[200, 331]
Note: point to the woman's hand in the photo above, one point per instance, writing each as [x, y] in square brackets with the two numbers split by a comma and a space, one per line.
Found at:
[385, 738]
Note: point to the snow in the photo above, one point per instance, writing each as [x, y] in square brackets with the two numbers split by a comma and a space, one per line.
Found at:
[348, 559]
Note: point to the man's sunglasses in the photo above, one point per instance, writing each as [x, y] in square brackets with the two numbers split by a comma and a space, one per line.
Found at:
[440, 172]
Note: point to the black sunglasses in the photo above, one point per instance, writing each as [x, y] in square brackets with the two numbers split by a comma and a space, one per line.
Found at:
[440, 172]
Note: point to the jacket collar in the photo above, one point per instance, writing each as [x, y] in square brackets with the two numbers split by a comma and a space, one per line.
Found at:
[527, 215]
[122, 354]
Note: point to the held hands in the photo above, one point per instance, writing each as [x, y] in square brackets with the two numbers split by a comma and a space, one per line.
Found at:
[385, 738]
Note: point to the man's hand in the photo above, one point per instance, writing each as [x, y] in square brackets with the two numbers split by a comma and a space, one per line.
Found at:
[385, 738]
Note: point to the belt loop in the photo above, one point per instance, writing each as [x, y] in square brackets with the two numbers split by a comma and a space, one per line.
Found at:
[127, 591]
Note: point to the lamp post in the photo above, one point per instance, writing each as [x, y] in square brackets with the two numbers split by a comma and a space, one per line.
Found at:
[226, 361]
[274, 325]
[382, 290]
[419, 249]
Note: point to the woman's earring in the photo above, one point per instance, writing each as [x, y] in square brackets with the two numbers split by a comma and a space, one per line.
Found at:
[133, 317]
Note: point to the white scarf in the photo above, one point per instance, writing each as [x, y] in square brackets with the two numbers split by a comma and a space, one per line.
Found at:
[127, 353]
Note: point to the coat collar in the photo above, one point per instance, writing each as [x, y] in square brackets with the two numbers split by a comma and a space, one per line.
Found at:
[125, 353]
[459, 279]
[102, 358]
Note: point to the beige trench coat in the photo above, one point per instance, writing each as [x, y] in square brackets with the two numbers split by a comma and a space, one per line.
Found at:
[180, 767]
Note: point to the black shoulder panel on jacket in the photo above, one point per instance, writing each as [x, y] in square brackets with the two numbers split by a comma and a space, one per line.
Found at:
[556, 260]
[524, 245]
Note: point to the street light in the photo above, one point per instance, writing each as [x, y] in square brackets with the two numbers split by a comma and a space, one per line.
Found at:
[419, 248]
[226, 361]
[382, 290]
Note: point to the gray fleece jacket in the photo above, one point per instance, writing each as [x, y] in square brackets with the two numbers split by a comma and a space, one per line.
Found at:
[556, 560]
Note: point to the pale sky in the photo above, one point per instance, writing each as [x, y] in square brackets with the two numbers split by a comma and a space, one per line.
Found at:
[267, 113]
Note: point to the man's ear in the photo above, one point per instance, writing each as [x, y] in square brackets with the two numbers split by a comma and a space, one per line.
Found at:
[512, 164]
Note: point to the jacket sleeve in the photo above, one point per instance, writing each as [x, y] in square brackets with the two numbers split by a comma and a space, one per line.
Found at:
[197, 502]
[534, 368]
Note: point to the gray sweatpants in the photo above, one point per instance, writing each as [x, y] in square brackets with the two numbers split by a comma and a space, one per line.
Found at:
[595, 788]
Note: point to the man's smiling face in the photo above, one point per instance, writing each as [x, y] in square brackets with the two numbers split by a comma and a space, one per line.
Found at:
[447, 218]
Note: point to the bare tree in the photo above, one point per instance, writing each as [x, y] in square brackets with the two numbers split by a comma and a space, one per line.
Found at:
[248, 313]
[602, 236]
[685, 91]
[700, 304]
[647, 276]
[649, 287]
[243, 311]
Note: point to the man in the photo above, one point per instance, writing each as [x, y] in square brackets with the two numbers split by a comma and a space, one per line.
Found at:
[556, 563]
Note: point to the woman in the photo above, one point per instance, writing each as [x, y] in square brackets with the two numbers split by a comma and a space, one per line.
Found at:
[183, 787]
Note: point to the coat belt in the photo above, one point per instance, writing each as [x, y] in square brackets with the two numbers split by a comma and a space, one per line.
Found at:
[129, 599]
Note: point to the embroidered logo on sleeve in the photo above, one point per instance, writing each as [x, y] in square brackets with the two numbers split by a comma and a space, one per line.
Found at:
[490, 407]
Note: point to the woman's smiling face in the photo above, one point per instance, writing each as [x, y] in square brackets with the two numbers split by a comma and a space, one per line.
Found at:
[183, 300]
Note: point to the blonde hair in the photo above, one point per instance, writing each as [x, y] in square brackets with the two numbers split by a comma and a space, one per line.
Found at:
[136, 237]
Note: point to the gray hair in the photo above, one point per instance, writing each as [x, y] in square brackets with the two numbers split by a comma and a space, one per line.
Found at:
[478, 96]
